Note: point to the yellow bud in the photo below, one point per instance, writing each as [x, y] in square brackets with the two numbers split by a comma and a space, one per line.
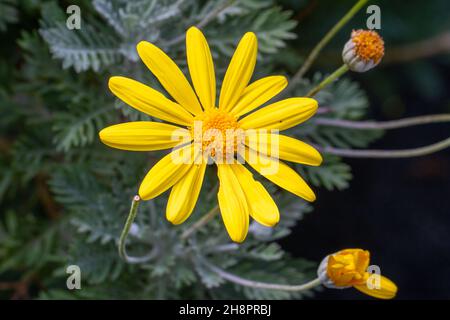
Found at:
[349, 268]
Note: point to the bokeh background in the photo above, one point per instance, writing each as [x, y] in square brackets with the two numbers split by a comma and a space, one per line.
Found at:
[399, 209]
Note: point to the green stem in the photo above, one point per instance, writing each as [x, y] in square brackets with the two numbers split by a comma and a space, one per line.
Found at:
[201, 222]
[325, 82]
[214, 13]
[123, 237]
[261, 285]
[325, 40]
[408, 153]
[384, 125]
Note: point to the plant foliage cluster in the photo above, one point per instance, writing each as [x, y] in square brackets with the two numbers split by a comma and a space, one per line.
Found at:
[64, 196]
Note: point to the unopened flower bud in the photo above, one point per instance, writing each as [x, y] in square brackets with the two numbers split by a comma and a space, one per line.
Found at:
[349, 268]
[363, 51]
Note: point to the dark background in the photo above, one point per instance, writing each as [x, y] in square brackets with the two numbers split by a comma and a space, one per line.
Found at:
[398, 209]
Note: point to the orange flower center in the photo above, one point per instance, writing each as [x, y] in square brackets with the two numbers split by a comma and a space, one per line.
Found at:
[368, 45]
[218, 132]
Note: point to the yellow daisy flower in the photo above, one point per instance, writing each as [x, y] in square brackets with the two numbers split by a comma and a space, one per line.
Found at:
[239, 195]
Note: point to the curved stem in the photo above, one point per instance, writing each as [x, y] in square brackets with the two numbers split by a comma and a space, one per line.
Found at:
[325, 82]
[322, 43]
[324, 110]
[221, 248]
[438, 44]
[407, 153]
[214, 13]
[393, 124]
[124, 235]
[200, 223]
[261, 285]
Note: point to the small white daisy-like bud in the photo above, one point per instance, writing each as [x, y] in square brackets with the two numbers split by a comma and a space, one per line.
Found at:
[363, 51]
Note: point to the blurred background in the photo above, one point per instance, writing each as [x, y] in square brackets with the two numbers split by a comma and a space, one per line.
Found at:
[398, 209]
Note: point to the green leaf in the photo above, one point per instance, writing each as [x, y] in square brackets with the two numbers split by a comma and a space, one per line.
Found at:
[9, 13]
[332, 174]
[91, 47]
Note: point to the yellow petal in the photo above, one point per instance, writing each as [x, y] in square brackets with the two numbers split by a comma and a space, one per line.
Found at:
[166, 172]
[169, 75]
[184, 194]
[262, 207]
[280, 174]
[144, 136]
[239, 71]
[283, 147]
[233, 204]
[281, 115]
[149, 101]
[387, 289]
[201, 67]
[258, 93]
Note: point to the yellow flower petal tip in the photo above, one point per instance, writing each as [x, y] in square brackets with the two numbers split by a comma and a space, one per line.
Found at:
[240, 196]
[193, 29]
[350, 268]
[251, 34]
[239, 71]
[233, 203]
[319, 159]
[141, 45]
[143, 136]
[385, 289]
[312, 197]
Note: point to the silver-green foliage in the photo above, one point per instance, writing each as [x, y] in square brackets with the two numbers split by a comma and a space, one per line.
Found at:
[99, 44]
[59, 102]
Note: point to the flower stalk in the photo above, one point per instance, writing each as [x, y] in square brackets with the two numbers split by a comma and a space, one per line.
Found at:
[124, 235]
[326, 39]
[384, 125]
[262, 285]
[200, 223]
[407, 153]
[328, 80]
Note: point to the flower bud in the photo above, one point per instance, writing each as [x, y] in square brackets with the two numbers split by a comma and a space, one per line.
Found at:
[363, 51]
[349, 268]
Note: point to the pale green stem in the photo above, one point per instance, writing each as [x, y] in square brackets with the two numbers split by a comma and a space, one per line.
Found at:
[214, 13]
[262, 285]
[325, 82]
[407, 153]
[205, 21]
[200, 223]
[384, 125]
[123, 237]
[325, 40]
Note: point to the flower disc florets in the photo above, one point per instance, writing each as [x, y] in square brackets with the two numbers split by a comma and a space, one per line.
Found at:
[363, 51]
